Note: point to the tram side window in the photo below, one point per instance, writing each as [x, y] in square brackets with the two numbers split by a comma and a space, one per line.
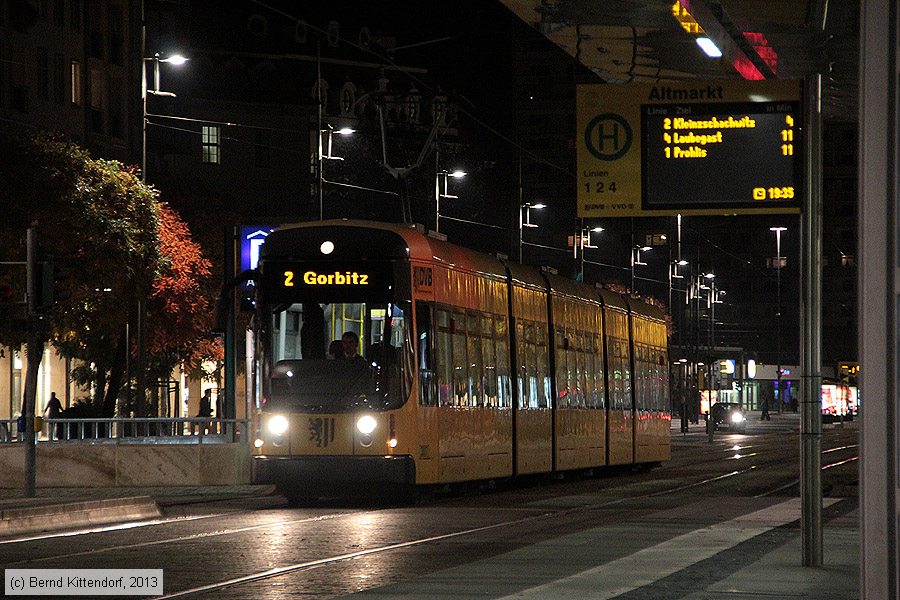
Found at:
[626, 374]
[640, 378]
[618, 385]
[572, 368]
[460, 362]
[562, 379]
[424, 357]
[597, 358]
[543, 367]
[444, 358]
[489, 360]
[476, 364]
[581, 370]
[522, 366]
[501, 337]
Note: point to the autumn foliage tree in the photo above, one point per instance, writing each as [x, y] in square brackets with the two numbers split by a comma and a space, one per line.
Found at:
[96, 219]
[180, 309]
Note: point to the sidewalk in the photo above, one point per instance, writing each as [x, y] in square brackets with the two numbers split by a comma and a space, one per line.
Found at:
[752, 556]
[66, 508]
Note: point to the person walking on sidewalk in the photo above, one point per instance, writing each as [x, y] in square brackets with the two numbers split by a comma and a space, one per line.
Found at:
[765, 411]
[54, 411]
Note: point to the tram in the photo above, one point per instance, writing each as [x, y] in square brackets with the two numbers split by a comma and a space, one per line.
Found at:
[388, 360]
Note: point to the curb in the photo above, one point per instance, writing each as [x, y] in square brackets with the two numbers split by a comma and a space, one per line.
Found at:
[34, 519]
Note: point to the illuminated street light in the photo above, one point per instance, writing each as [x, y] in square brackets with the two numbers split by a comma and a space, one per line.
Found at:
[176, 60]
[584, 234]
[636, 260]
[441, 190]
[526, 208]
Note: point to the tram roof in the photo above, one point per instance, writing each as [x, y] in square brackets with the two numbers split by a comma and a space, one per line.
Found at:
[647, 310]
[575, 289]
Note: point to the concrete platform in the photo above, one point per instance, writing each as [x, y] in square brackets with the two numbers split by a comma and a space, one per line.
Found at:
[753, 556]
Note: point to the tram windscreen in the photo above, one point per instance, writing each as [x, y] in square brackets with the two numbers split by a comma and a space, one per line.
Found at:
[338, 356]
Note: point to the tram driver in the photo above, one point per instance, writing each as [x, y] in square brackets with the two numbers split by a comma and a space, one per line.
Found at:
[350, 346]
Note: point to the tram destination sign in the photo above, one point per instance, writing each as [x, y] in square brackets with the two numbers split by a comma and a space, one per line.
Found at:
[326, 281]
[694, 149]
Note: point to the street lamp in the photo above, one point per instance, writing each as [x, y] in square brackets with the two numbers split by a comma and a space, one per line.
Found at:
[584, 234]
[176, 60]
[778, 231]
[526, 208]
[441, 190]
[636, 260]
[328, 131]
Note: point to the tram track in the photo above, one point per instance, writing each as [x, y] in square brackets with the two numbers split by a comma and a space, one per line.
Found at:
[773, 459]
[545, 515]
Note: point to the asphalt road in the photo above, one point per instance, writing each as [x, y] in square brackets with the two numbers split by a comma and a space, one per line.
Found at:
[261, 548]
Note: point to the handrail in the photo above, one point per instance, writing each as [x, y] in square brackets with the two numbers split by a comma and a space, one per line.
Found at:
[168, 430]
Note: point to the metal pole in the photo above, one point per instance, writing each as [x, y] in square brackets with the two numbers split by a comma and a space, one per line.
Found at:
[633, 250]
[437, 189]
[28, 406]
[319, 160]
[877, 282]
[709, 359]
[811, 381]
[521, 207]
[581, 232]
[780, 398]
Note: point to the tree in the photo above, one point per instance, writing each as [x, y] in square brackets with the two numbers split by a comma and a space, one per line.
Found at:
[96, 219]
[179, 303]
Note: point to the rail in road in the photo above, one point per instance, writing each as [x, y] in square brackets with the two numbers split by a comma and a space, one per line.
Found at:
[236, 552]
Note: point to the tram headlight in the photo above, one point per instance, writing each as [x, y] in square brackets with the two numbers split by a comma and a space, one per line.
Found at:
[366, 424]
[278, 424]
[737, 418]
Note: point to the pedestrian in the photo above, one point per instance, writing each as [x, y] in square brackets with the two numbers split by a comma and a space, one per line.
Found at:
[205, 411]
[53, 410]
[765, 411]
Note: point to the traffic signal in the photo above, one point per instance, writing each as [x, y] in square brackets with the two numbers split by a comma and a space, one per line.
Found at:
[52, 285]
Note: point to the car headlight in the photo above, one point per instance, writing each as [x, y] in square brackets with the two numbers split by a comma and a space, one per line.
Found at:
[737, 417]
[366, 424]
[278, 424]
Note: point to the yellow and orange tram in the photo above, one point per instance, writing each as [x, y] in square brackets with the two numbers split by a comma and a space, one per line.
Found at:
[389, 359]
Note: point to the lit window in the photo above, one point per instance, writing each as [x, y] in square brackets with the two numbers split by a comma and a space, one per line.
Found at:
[209, 142]
[76, 83]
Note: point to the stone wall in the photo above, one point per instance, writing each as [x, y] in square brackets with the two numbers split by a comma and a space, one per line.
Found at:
[128, 465]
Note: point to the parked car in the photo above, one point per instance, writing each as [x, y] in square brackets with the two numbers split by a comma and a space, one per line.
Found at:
[730, 415]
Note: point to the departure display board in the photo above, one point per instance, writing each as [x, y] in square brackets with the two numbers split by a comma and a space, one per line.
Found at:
[693, 149]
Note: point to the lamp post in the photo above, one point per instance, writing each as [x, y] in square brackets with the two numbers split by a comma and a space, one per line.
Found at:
[636, 260]
[324, 153]
[673, 275]
[711, 306]
[584, 233]
[175, 59]
[526, 209]
[778, 231]
[441, 190]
